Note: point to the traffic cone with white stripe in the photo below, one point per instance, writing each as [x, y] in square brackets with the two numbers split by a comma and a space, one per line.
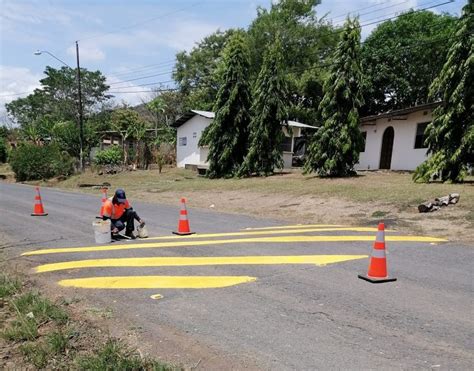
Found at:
[38, 209]
[377, 272]
[183, 223]
[104, 199]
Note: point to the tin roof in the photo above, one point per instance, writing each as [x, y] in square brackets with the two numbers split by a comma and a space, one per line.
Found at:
[403, 111]
[210, 115]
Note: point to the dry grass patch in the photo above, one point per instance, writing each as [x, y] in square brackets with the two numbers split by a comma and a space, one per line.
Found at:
[364, 199]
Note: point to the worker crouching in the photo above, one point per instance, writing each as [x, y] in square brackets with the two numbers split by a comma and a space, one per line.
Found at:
[121, 215]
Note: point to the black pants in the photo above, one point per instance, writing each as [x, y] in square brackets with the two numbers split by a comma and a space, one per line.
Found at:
[126, 221]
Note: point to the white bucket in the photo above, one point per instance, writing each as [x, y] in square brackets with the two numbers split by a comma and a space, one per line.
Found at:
[102, 231]
[142, 232]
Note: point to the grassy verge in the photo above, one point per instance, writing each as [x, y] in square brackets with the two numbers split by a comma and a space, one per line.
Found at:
[37, 332]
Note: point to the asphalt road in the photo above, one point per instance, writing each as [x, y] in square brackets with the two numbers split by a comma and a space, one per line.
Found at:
[288, 316]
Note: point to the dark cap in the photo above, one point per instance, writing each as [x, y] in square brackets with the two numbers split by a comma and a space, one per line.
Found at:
[120, 196]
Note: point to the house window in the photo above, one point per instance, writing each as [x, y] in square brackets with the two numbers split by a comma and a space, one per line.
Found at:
[183, 141]
[364, 136]
[194, 135]
[286, 144]
[420, 135]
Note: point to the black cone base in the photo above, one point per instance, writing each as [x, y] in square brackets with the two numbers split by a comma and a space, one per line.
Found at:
[183, 234]
[371, 280]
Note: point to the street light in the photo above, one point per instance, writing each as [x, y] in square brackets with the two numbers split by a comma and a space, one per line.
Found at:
[39, 52]
[79, 96]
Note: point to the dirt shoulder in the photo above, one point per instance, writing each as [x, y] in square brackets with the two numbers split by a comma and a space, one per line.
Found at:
[295, 198]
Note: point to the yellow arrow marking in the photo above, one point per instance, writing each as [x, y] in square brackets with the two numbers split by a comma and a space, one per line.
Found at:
[282, 239]
[295, 226]
[264, 232]
[194, 261]
[156, 282]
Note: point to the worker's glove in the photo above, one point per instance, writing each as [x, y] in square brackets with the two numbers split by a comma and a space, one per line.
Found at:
[115, 230]
[142, 223]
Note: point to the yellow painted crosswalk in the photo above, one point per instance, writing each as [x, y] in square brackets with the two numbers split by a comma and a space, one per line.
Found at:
[311, 235]
[186, 243]
[156, 282]
[318, 260]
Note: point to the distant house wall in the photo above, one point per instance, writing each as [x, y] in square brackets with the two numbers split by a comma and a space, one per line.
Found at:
[187, 150]
[404, 154]
[189, 131]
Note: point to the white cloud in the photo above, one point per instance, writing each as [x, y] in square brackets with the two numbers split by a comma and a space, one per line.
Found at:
[87, 52]
[15, 80]
[177, 35]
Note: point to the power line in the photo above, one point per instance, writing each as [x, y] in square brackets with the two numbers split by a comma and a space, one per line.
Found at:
[142, 22]
[143, 68]
[142, 77]
[378, 10]
[344, 15]
[145, 91]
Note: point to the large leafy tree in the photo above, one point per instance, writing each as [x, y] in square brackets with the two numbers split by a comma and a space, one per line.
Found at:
[402, 57]
[335, 147]
[450, 136]
[306, 44]
[227, 136]
[196, 72]
[56, 99]
[50, 112]
[269, 113]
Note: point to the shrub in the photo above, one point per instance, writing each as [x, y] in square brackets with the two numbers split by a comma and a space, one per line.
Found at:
[32, 162]
[3, 150]
[109, 156]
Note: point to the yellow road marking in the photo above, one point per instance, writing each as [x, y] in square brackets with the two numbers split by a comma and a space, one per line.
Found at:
[156, 282]
[195, 261]
[295, 226]
[264, 232]
[281, 239]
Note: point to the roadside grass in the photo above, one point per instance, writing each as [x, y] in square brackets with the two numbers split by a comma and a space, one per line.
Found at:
[114, 355]
[389, 187]
[8, 286]
[42, 334]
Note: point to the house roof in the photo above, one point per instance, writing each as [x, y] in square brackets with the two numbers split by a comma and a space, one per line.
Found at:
[210, 115]
[190, 114]
[399, 112]
[297, 124]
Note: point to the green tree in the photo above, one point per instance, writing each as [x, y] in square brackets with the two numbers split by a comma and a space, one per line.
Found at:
[450, 136]
[306, 44]
[128, 124]
[269, 113]
[57, 97]
[227, 136]
[402, 57]
[335, 147]
[195, 72]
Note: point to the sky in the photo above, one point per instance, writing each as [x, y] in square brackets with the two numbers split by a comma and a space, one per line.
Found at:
[138, 40]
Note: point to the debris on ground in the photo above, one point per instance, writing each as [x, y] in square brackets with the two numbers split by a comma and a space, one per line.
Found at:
[429, 206]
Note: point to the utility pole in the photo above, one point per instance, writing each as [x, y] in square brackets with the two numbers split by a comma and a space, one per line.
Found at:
[81, 126]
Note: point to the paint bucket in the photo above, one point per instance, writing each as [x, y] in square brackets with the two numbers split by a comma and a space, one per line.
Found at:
[142, 232]
[102, 231]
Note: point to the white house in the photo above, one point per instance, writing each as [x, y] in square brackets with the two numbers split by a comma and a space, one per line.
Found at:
[191, 125]
[395, 140]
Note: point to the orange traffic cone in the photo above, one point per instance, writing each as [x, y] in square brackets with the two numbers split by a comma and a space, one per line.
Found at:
[183, 224]
[104, 199]
[38, 209]
[378, 262]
